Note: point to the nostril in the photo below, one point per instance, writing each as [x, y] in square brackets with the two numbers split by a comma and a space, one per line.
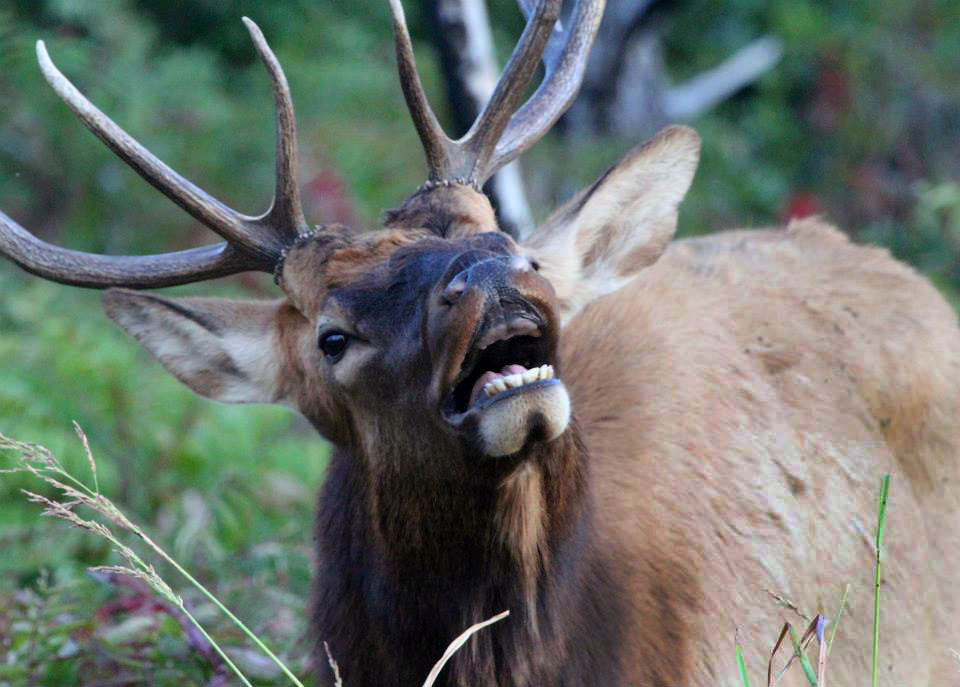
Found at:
[487, 273]
[455, 289]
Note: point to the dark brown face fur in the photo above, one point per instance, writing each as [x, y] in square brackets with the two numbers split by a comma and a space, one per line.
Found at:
[412, 341]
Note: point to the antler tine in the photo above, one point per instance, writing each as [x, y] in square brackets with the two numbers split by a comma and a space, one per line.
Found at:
[482, 138]
[556, 93]
[135, 271]
[230, 224]
[285, 215]
[499, 134]
[554, 43]
[436, 144]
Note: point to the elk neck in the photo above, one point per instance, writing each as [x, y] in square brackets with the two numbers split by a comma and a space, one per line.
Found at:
[449, 548]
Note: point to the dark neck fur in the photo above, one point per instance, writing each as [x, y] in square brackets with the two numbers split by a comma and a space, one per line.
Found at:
[408, 561]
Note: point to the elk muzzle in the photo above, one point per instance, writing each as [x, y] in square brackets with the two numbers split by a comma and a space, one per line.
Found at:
[497, 329]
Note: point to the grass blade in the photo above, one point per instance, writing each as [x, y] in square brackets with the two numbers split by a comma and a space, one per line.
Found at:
[457, 643]
[836, 623]
[773, 653]
[804, 661]
[881, 522]
[741, 664]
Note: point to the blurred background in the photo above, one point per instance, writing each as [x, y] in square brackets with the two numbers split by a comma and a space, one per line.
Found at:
[845, 108]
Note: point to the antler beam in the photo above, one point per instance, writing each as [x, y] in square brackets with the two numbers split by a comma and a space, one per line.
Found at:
[133, 271]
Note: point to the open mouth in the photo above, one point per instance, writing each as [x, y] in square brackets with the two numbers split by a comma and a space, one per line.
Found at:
[505, 361]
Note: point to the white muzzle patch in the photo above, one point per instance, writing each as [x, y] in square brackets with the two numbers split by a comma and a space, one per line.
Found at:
[509, 419]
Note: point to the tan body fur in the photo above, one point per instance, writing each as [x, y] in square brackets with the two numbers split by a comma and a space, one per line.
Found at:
[738, 430]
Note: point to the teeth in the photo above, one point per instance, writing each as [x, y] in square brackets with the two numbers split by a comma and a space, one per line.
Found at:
[513, 381]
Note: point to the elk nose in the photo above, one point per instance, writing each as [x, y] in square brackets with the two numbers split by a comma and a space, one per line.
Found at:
[484, 273]
[455, 289]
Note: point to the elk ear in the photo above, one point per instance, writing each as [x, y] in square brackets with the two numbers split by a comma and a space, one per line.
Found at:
[620, 224]
[221, 349]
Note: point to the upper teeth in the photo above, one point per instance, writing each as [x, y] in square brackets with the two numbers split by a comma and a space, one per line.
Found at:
[519, 379]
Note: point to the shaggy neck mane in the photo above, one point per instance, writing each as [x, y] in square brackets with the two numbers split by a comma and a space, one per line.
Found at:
[446, 552]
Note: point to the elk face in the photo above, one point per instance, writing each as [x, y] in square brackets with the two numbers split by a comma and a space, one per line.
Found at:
[449, 329]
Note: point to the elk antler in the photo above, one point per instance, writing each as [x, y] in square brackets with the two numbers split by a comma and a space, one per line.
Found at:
[499, 134]
[252, 243]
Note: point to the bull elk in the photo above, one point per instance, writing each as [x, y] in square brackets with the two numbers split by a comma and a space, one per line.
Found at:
[621, 438]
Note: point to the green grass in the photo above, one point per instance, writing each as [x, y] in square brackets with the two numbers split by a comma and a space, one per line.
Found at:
[227, 490]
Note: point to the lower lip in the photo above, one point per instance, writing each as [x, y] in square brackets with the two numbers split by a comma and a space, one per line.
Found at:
[487, 401]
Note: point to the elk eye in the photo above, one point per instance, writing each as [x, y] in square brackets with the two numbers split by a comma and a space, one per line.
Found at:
[333, 344]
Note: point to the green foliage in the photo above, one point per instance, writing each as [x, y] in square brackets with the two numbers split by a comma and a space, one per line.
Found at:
[68, 634]
[855, 122]
[932, 239]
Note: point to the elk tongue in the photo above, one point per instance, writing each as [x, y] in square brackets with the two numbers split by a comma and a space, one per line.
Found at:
[488, 377]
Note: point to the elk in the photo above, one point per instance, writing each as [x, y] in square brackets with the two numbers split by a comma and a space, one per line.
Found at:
[621, 438]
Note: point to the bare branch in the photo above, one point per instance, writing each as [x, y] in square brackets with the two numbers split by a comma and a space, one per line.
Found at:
[704, 91]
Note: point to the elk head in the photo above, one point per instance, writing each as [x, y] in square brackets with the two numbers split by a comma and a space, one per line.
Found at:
[436, 330]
